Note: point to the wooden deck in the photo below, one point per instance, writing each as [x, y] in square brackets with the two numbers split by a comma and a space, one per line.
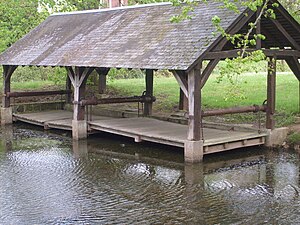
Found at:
[148, 129]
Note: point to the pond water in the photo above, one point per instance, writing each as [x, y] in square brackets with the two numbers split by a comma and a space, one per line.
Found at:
[45, 178]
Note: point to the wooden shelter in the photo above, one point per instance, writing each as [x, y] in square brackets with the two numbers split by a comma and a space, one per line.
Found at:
[143, 37]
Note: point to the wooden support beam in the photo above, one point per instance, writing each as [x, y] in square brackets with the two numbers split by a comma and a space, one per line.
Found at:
[102, 72]
[278, 53]
[285, 34]
[78, 78]
[183, 101]
[181, 79]
[234, 28]
[271, 94]
[149, 92]
[208, 70]
[194, 91]
[288, 17]
[294, 65]
[7, 73]
[68, 88]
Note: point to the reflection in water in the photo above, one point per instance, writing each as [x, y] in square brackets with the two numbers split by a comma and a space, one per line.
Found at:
[50, 179]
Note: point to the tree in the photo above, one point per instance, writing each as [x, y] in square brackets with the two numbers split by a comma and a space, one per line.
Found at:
[17, 17]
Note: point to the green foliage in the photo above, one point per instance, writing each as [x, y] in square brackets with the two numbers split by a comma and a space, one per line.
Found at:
[185, 10]
[125, 74]
[294, 138]
[17, 17]
[52, 6]
[58, 76]
[293, 6]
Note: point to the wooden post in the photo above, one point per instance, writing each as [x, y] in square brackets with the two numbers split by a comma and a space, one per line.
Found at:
[78, 78]
[271, 93]
[194, 90]
[183, 101]
[102, 72]
[194, 144]
[68, 88]
[6, 110]
[102, 84]
[149, 92]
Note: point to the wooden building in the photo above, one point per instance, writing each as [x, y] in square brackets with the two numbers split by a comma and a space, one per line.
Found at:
[143, 37]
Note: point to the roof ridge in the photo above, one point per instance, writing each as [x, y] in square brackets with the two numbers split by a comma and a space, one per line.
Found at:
[112, 9]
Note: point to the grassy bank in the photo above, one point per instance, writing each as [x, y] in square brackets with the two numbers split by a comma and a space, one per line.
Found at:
[217, 95]
[214, 95]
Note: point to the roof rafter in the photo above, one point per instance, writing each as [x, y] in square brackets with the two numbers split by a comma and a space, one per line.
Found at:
[285, 34]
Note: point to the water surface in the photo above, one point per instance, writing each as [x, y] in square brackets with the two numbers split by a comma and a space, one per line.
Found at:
[46, 178]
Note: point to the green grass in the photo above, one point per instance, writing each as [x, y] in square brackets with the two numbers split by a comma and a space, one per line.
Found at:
[215, 95]
[31, 85]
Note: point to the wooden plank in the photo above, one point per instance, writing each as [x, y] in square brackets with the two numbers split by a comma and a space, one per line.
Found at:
[163, 132]
[148, 129]
[42, 117]
[271, 94]
[194, 91]
[149, 92]
[285, 34]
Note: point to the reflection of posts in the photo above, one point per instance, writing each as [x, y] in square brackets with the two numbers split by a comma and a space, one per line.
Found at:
[80, 148]
[7, 137]
[193, 174]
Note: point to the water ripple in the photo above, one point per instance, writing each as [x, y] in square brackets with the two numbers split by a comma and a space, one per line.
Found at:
[42, 181]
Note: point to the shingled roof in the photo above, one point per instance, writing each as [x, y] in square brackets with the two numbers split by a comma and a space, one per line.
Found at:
[128, 37]
[142, 37]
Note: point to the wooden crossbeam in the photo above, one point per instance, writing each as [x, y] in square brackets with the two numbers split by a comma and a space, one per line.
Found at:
[278, 53]
[285, 34]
